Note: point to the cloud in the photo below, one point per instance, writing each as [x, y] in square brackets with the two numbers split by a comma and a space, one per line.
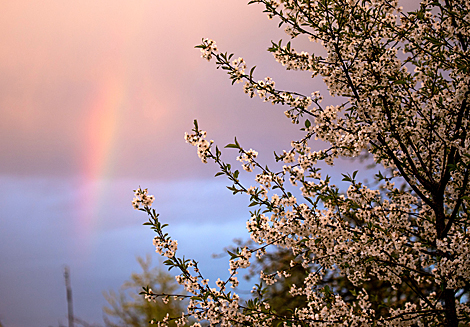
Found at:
[44, 228]
[111, 87]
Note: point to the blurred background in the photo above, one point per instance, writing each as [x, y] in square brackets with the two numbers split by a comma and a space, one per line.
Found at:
[95, 97]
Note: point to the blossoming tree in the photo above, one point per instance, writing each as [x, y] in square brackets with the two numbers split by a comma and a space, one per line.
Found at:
[403, 79]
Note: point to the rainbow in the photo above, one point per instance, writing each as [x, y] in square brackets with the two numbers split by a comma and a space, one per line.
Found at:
[99, 144]
[104, 118]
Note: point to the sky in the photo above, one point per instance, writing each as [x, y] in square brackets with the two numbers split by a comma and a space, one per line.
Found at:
[95, 97]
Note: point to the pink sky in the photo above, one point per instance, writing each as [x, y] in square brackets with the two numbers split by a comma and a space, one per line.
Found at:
[95, 97]
[89, 82]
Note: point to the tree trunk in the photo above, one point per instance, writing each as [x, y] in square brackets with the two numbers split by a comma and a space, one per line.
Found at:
[451, 312]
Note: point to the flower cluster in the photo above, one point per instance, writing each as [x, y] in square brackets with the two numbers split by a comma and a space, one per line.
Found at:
[241, 260]
[208, 48]
[285, 54]
[165, 247]
[142, 199]
[247, 158]
[239, 66]
[263, 88]
[198, 140]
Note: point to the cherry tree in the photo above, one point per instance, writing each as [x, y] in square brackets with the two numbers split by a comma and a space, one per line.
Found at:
[403, 82]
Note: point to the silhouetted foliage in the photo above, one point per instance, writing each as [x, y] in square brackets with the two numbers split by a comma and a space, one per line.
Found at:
[128, 308]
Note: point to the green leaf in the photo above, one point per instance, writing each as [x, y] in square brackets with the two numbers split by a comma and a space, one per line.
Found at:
[400, 81]
[379, 176]
[309, 200]
[346, 178]
[252, 70]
